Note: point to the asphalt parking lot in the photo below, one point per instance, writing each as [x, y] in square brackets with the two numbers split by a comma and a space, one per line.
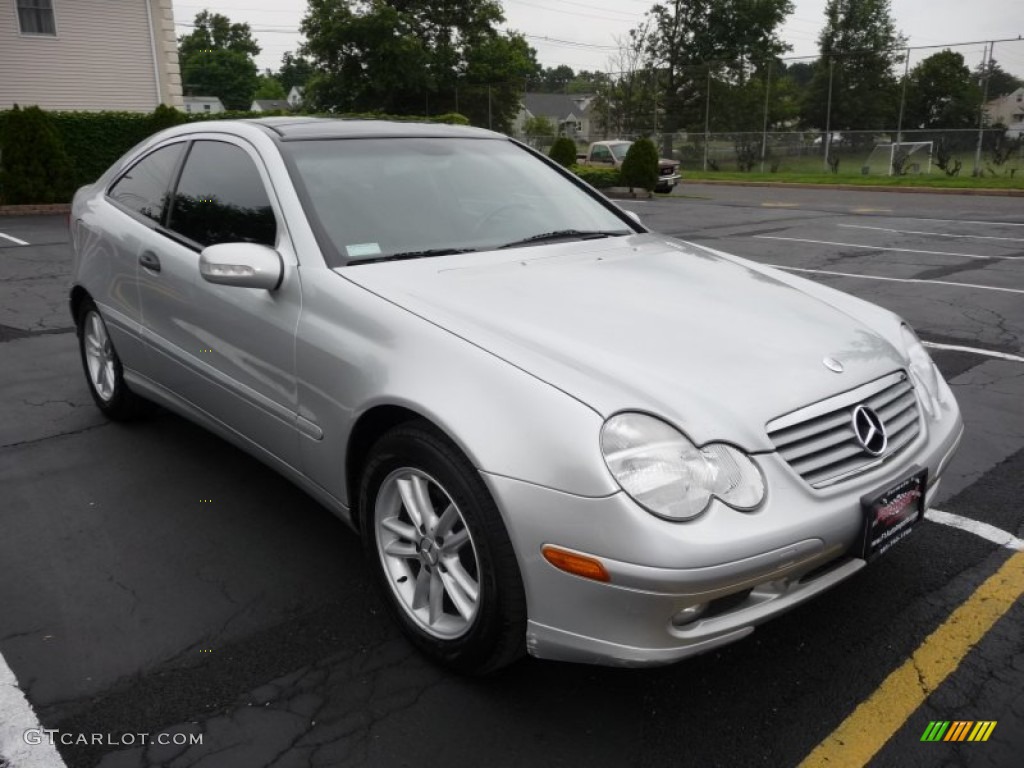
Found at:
[129, 604]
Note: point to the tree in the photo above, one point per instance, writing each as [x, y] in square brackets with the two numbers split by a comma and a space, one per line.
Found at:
[692, 41]
[629, 99]
[295, 71]
[942, 93]
[217, 60]
[563, 151]
[1000, 82]
[538, 126]
[34, 166]
[270, 88]
[640, 166]
[415, 57]
[859, 50]
[588, 82]
[552, 79]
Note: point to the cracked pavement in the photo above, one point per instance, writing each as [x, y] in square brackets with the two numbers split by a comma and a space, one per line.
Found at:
[128, 606]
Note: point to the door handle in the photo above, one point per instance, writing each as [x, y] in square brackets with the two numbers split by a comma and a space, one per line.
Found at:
[150, 261]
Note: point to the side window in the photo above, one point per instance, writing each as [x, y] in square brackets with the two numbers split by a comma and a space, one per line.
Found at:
[35, 17]
[601, 154]
[221, 198]
[144, 189]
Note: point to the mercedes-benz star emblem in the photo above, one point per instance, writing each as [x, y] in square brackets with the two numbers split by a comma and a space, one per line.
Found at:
[833, 365]
[870, 430]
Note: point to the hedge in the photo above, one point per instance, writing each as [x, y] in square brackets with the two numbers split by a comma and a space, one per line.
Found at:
[602, 178]
[94, 140]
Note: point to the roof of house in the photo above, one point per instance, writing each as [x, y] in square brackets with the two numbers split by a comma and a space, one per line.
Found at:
[202, 99]
[559, 105]
[268, 105]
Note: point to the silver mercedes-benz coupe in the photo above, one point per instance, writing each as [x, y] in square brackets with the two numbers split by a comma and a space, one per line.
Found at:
[556, 432]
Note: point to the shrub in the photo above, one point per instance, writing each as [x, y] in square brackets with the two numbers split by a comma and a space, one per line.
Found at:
[93, 141]
[34, 166]
[563, 151]
[602, 178]
[165, 117]
[640, 167]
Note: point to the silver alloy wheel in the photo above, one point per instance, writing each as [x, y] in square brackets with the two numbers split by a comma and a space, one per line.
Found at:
[427, 553]
[99, 355]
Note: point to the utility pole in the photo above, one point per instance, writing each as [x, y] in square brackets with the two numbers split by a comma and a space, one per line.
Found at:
[764, 127]
[987, 71]
[707, 119]
[828, 112]
[490, 120]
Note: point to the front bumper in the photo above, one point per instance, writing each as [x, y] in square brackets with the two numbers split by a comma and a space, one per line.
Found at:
[743, 567]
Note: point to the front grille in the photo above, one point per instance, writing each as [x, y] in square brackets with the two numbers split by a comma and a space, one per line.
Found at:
[819, 443]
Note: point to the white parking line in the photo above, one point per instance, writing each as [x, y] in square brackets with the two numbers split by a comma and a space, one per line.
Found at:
[13, 239]
[898, 279]
[932, 234]
[978, 528]
[964, 221]
[19, 723]
[880, 248]
[975, 350]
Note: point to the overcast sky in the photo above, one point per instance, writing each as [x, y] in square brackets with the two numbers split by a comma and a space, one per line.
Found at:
[581, 33]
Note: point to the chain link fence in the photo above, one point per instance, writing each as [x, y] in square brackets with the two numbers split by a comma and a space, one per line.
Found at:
[955, 110]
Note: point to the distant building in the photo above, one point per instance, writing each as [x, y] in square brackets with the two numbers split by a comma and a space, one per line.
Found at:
[270, 105]
[568, 113]
[209, 105]
[295, 96]
[1008, 109]
[88, 54]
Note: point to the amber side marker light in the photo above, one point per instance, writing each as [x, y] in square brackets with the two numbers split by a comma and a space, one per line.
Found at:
[578, 565]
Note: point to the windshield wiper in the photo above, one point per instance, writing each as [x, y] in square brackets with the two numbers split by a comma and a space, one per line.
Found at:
[565, 234]
[411, 255]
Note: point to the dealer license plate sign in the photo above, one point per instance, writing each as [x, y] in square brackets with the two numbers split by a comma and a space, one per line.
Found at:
[889, 517]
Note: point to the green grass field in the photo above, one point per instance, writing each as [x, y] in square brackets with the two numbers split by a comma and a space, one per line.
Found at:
[810, 168]
[937, 181]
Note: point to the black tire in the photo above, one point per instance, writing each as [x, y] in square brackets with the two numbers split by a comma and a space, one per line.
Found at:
[495, 635]
[112, 395]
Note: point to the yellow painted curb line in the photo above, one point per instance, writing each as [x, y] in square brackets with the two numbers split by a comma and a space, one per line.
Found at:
[873, 723]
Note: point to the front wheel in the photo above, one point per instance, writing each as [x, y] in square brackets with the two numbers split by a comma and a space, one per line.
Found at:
[440, 551]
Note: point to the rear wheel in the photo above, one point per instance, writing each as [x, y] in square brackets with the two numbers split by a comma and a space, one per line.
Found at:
[103, 370]
[441, 553]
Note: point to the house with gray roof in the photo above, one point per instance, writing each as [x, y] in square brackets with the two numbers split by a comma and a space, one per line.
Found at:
[569, 113]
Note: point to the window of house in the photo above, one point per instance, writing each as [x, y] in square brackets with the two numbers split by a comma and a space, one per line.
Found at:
[206, 107]
[35, 17]
[144, 189]
[221, 198]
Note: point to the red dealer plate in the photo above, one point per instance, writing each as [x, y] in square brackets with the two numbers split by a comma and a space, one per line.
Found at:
[889, 516]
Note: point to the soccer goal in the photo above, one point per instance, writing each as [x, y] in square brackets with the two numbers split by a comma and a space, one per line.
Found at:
[899, 158]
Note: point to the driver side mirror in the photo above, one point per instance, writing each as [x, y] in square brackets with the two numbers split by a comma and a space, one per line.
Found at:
[245, 265]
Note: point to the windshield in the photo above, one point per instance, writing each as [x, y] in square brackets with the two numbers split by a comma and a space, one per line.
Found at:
[620, 150]
[412, 197]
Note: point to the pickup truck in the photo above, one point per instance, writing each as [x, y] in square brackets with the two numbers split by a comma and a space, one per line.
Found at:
[610, 154]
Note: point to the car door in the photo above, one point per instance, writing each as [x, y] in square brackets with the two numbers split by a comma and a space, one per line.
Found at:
[114, 237]
[227, 350]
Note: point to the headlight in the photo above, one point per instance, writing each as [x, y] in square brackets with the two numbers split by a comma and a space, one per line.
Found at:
[671, 477]
[923, 371]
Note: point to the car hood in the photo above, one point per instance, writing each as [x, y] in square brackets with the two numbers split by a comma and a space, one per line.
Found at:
[707, 342]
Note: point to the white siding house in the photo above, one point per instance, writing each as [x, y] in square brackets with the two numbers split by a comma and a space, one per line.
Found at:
[205, 105]
[1008, 109]
[88, 54]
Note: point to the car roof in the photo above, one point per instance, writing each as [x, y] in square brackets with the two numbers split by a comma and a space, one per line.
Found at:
[313, 128]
